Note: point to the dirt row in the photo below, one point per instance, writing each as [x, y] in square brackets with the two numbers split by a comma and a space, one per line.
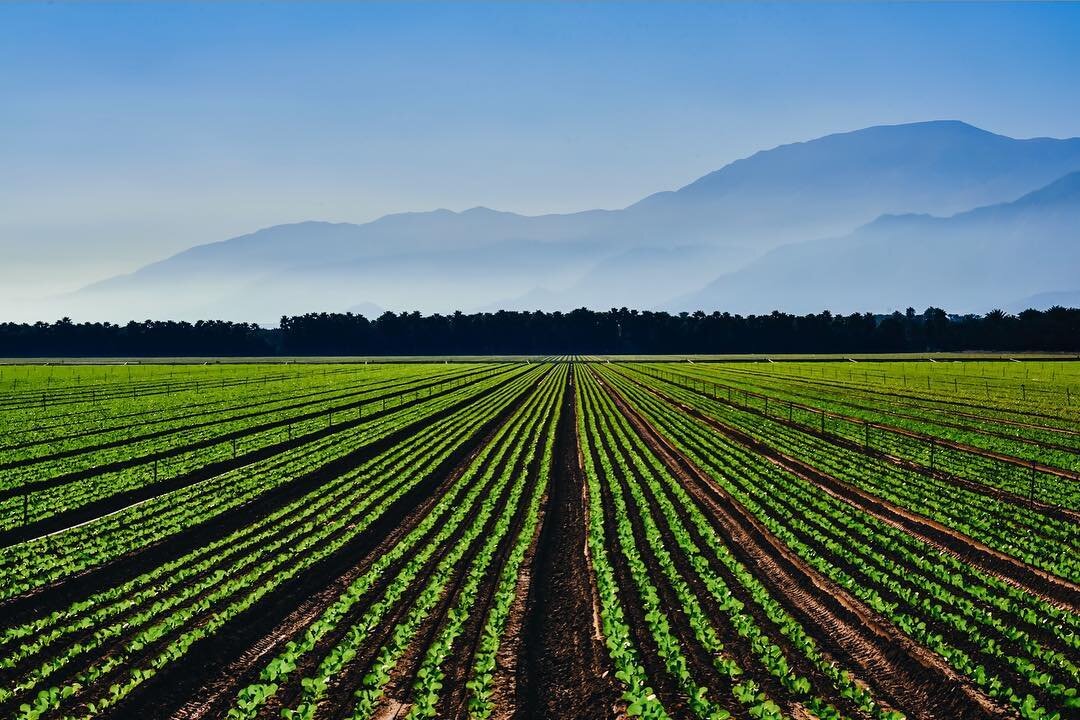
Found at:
[565, 671]
[548, 623]
[552, 656]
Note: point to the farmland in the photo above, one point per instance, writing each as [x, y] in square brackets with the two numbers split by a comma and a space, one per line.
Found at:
[561, 537]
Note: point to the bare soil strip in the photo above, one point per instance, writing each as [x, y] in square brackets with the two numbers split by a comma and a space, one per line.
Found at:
[564, 670]
[909, 676]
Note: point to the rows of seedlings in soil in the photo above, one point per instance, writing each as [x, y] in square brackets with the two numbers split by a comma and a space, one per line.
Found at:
[989, 424]
[98, 650]
[1011, 527]
[29, 565]
[551, 538]
[67, 480]
[1017, 648]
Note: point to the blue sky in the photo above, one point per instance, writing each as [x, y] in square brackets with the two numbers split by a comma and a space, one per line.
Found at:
[131, 131]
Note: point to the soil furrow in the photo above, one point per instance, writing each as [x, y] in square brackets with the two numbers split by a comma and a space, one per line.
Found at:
[564, 669]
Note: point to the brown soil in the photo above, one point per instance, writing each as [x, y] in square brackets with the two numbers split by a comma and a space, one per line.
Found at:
[564, 670]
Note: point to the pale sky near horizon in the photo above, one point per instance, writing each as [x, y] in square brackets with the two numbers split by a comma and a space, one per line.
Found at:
[131, 131]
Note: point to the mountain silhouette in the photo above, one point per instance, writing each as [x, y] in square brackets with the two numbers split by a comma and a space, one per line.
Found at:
[659, 248]
[968, 262]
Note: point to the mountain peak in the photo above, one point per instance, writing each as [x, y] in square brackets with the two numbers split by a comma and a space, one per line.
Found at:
[899, 143]
[481, 210]
[823, 188]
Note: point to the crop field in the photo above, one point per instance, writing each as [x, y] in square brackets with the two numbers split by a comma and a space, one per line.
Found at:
[541, 538]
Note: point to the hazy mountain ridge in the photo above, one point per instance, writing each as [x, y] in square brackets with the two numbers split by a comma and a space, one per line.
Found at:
[968, 262]
[644, 255]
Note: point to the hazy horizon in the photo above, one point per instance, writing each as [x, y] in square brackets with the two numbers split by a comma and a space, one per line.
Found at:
[133, 132]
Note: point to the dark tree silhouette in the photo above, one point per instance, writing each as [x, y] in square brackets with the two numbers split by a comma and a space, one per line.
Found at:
[616, 331]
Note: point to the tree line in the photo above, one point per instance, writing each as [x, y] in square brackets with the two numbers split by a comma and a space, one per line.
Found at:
[616, 331]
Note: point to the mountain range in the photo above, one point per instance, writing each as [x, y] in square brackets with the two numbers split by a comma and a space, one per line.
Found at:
[926, 213]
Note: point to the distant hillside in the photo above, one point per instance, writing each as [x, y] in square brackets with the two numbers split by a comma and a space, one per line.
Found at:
[643, 255]
[970, 262]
